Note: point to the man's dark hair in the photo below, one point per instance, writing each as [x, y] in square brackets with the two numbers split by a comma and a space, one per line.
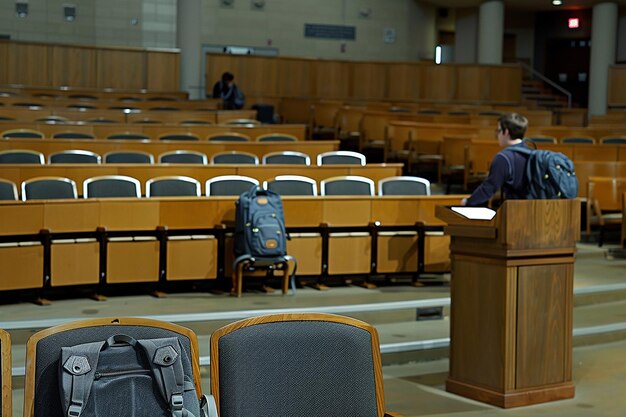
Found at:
[515, 123]
[227, 76]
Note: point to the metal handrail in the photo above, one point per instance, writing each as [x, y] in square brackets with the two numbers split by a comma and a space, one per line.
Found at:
[545, 79]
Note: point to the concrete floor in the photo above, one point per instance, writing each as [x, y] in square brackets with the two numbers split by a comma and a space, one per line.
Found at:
[413, 384]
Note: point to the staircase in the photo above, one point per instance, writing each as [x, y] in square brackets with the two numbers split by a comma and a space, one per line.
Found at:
[537, 95]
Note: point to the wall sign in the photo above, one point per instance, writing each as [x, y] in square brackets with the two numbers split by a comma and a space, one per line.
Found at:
[312, 30]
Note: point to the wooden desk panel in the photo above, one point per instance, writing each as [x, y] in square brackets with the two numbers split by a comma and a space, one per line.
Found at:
[129, 214]
[188, 213]
[84, 217]
[347, 211]
[303, 211]
[18, 218]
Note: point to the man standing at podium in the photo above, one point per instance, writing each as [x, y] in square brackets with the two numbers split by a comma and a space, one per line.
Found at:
[507, 169]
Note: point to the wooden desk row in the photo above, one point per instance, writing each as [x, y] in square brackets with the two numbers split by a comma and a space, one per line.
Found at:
[101, 147]
[115, 241]
[98, 93]
[131, 102]
[126, 116]
[611, 159]
[429, 136]
[80, 172]
[102, 131]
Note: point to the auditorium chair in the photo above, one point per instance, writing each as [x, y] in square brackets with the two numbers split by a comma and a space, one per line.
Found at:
[173, 186]
[258, 367]
[52, 120]
[178, 136]
[604, 203]
[276, 137]
[110, 186]
[5, 376]
[541, 139]
[235, 157]
[81, 106]
[242, 122]
[21, 156]
[341, 157]
[578, 139]
[83, 97]
[429, 112]
[286, 157]
[128, 136]
[147, 121]
[347, 185]
[73, 135]
[43, 350]
[228, 137]
[128, 157]
[323, 119]
[164, 108]
[229, 185]
[8, 190]
[292, 185]
[182, 157]
[48, 188]
[75, 156]
[403, 185]
[195, 123]
[613, 140]
[103, 120]
[22, 134]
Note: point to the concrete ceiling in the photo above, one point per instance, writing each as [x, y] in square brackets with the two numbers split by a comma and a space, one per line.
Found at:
[523, 4]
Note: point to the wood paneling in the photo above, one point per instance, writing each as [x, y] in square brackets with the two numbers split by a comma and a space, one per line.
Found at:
[472, 83]
[438, 82]
[504, 85]
[73, 66]
[333, 79]
[368, 81]
[404, 81]
[121, 69]
[617, 79]
[296, 78]
[397, 81]
[29, 64]
[162, 71]
[75, 263]
[22, 267]
[54, 65]
[543, 306]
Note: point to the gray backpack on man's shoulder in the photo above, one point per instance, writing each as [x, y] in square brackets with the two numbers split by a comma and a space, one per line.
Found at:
[122, 376]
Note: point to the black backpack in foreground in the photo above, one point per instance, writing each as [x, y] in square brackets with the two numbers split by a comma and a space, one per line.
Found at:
[260, 225]
[549, 174]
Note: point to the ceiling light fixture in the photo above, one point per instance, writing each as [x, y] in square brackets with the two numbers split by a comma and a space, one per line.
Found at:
[557, 2]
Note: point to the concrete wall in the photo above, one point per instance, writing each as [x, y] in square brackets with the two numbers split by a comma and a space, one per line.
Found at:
[279, 24]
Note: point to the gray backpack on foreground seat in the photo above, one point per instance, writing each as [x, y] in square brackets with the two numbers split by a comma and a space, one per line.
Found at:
[122, 376]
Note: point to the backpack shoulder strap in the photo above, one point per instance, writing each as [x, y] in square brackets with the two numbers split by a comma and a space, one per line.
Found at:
[78, 371]
[166, 364]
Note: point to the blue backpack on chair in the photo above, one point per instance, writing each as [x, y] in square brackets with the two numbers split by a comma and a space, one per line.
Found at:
[260, 237]
[260, 225]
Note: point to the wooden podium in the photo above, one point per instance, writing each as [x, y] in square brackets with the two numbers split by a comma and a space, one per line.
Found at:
[511, 311]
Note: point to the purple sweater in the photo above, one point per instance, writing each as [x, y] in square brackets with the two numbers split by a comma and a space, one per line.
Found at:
[512, 179]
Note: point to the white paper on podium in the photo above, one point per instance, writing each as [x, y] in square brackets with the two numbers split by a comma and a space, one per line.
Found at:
[475, 213]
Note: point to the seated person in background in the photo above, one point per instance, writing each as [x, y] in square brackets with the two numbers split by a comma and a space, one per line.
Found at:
[227, 90]
[508, 169]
